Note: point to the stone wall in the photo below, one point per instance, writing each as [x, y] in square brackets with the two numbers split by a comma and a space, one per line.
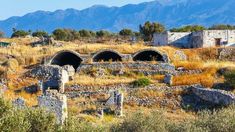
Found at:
[160, 39]
[206, 38]
[160, 68]
[56, 103]
[226, 36]
[219, 97]
[227, 54]
[179, 39]
[53, 76]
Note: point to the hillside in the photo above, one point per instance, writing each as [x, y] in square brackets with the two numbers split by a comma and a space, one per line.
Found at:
[177, 13]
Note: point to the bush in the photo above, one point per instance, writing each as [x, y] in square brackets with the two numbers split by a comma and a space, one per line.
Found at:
[230, 77]
[25, 120]
[140, 122]
[189, 28]
[19, 33]
[4, 107]
[142, 82]
[78, 125]
[2, 34]
[126, 32]
[208, 121]
[40, 34]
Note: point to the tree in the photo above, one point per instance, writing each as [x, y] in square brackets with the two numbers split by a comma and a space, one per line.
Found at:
[148, 29]
[59, 34]
[85, 33]
[126, 32]
[1, 34]
[222, 27]
[189, 28]
[102, 34]
[66, 34]
[19, 33]
[40, 34]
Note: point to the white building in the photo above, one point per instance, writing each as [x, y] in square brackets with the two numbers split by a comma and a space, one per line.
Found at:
[206, 38]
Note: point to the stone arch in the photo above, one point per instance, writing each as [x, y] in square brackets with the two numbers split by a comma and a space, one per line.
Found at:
[67, 57]
[149, 55]
[107, 55]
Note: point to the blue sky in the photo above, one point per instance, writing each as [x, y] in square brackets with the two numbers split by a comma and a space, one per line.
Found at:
[20, 7]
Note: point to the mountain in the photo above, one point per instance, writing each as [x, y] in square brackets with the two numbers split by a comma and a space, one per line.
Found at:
[172, 13]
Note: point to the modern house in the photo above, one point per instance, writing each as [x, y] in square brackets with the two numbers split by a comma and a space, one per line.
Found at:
[200, 39]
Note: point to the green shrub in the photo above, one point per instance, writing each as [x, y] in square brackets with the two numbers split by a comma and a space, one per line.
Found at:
[142, 82]
[20, 33]
[77, 125]
[40, 120]
[230, 77]
[4, 107]
[140, 122]
[39, 33]
[208, 121]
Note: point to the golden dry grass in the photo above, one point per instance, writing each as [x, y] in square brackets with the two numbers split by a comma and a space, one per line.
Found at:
[189, 65]
[31, 99]
[219, 64]
[207, 78]
[108, 80]
[143, 93]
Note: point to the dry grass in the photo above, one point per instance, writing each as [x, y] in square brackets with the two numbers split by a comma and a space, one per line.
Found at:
[189, 65]
[219, 64]
[31, 99]
[108, 80]
[143, 93]
[207, 78]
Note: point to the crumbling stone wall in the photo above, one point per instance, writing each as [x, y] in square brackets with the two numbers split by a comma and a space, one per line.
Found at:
[219, 97]
[160, 68]
[54, 102]
[179, 39]
[227, 54]
[53, 76]
[116, 99]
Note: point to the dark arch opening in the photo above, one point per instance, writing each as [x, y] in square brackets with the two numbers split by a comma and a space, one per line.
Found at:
[67, 58]
[148, 55]
[107, 56]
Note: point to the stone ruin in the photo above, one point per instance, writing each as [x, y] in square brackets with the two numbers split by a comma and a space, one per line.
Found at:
[19, 103]
[168, 79]
[52, 85]
[52, 76]
[54, 102]
[214, 96]
[44, 41]
[115, 101]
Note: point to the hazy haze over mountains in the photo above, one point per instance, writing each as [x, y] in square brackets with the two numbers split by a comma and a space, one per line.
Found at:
[172, 13]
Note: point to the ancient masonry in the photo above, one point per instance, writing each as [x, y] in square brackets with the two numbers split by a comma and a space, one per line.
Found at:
[219, 97]
[55, 102]
[116, 100]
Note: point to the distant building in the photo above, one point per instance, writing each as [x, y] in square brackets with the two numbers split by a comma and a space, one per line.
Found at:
[200, 39]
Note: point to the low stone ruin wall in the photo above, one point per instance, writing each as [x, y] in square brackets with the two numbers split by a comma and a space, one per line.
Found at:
[227, 54]
[219, 97]
[52, 76]
[145, 68]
